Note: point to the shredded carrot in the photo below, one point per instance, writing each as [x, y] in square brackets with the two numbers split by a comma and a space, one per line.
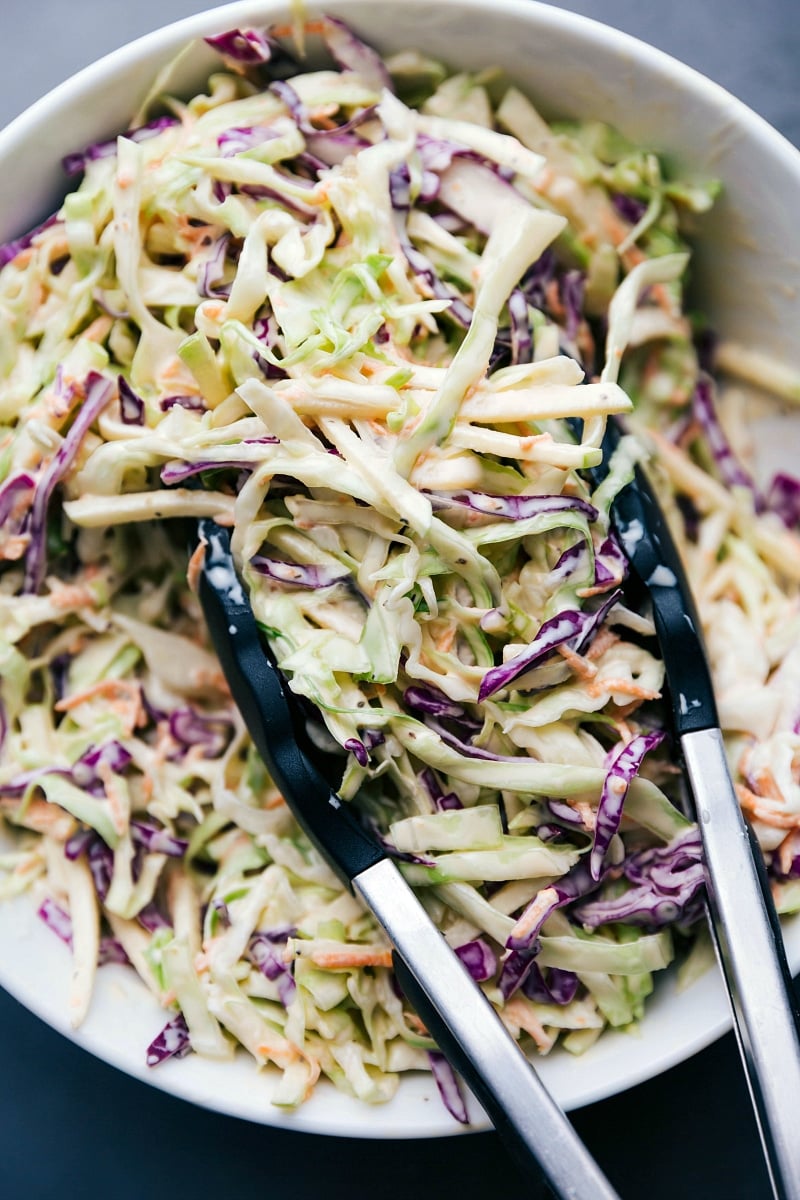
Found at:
[335, 959]
[23, 258]
[604, 640]
[276, 800]
[285, 31]
[73, 595]
[761, 810]
[119, 813]
[624, 687]
[195, 564]
[99, 329]
[27, 865]
[444, 643]
[767, 785]
[415, 1022]
[14, 547]
[194, 234]
[281, 1051]
[43, 817]
[554, 300]
[519, 1012]
[581, 667]
[123, 695]
[532, 915]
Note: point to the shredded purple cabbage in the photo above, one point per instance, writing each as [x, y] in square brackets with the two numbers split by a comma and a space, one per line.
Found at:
[100, 860]
[623, 764]
[10, 250]
[111, 951]
[557, 987]
[192, 403]
[297, 575]
[59, 921]
[73, 164]
[572, 286]
[521, 332]
[15, 503]
[131, 405]
[177, 472]
[213, 269]
[575, 559]
[577, 882]
[431, 700]
[172, 1042]
[327, 146]
[191, 728]
[240, 138]
[83, 773]
[630, 208]
[782, 498]
[515, 508]
[731, 471]
[449, 1087]
[667, 887]
[352, 54]
[111, 754]
[536, 279]
[467, 748]
[263, 954]
[246, 46]
[479, 959]
[151, 918]
[357, 748]
[99, 391]
[572, 628]
[516, 968]
[157, 840]
[442, 802]
[610, 564]
[565, 814]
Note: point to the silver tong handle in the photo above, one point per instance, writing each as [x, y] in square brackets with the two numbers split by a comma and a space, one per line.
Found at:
[752, 958]
[477, 1044]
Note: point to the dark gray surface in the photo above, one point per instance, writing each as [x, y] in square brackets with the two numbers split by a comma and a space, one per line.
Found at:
[74, 1129]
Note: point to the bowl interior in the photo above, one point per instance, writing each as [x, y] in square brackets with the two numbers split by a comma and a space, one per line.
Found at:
[745, 279]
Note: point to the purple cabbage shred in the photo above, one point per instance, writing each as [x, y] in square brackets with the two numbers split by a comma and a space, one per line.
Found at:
[172, 1042]
[479, 959]
[449, 1087]
[297, 575]
[623, 765]
[572, 628]
[99, 391]
[246, 46]
[73, 164]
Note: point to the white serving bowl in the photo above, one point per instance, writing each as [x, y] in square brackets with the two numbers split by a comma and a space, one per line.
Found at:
[746, 279]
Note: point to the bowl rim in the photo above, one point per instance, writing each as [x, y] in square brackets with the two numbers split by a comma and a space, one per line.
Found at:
[225, 16]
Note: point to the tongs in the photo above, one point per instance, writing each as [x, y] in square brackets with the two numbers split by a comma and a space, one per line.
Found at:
[743, 921]
[455, 1011]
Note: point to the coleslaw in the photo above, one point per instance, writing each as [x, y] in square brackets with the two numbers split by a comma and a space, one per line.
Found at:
[359, 304]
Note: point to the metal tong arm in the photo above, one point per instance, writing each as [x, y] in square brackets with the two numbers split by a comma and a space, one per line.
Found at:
[476, 1042]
